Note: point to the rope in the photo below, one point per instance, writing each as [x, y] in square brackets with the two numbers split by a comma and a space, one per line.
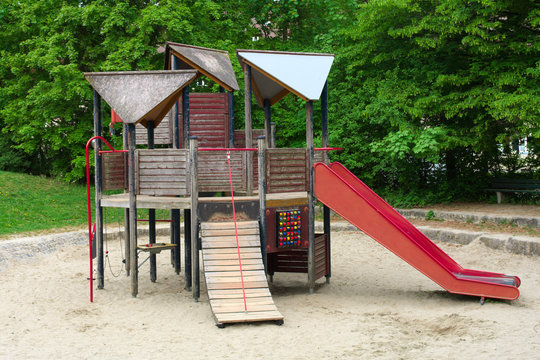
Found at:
[236, 232]
[107, 259]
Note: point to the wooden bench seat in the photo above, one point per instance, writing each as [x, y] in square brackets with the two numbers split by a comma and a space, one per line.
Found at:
[505, 185]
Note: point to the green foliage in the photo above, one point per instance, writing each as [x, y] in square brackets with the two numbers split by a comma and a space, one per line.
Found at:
[425, 96]
[430, 88]
[430, 215]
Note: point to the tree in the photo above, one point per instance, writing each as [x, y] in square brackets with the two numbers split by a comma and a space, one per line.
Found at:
[433, 87]
[46, 103]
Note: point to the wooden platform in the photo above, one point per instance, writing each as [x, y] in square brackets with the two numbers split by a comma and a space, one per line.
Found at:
[222, 274]
[168, 202]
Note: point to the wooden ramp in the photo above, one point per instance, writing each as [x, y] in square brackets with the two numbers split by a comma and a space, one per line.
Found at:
[222, 273]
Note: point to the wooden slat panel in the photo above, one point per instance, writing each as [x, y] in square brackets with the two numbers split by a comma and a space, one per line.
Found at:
[245, 267]
[162, 172]
[229, 232]
[230, 225]
[213, 171]
[238, 293]
[248, 274]
[249, 316]
[235, 285]
[162, 133]
[114, 171]
[247, 250]
[209, 106]
[231, 262]
[286, 170]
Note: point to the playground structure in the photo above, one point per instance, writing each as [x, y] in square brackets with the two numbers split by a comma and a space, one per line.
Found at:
[277, 189]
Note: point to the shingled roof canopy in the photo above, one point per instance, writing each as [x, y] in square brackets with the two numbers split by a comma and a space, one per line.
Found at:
[141, 96]
[214, 64]
[276, 73]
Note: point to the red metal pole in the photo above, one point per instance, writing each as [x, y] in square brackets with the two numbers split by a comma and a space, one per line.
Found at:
[227, 149]
[90, 236]
[327, 149]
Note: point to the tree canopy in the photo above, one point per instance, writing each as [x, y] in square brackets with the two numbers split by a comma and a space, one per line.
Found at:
[425, 96]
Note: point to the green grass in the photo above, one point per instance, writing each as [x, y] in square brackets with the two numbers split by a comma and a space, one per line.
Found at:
[33, 203]
[37, 203]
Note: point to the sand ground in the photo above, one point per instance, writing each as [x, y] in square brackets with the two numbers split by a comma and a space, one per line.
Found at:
[376, 307]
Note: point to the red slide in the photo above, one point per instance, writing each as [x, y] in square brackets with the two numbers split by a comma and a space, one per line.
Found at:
[340, 190]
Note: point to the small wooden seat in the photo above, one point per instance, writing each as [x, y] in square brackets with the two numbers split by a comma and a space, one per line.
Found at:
[155, 248]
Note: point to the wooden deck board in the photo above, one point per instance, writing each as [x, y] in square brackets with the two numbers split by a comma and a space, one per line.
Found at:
[168, 202]
[224, 279]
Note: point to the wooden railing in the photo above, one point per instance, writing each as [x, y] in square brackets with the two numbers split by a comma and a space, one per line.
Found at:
[162, 172]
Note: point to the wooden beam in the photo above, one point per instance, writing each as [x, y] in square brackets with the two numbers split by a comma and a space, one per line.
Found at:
[185, 117]
[262, 197]
[98, 191]
[280, 95]
[272, 135]
[325, 143]
[249, 129]
[151, 212]
[231, 119]
[175, 120]
[187, 248]
[127, 253]
[311, 200]
[196, 290]
[134, 272]
[267, 122]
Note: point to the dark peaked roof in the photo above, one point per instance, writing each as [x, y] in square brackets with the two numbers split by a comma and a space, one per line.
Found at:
[214, 64]
[141, 96]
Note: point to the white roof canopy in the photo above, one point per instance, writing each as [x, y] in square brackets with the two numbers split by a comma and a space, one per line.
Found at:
[275, 74]
[141, 96]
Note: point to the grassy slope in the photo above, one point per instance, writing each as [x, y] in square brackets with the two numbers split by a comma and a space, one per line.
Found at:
[31, 203]
[34, 203]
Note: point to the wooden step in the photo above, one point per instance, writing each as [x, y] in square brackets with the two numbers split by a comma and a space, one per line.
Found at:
[224, 276]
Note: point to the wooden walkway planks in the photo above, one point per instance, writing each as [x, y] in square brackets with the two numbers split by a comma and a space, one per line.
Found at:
[223, 276]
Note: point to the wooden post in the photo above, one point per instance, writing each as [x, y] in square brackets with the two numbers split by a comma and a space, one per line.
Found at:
[175, 216]
[185, 117]
[151, 212]
[126, 211]
[262, 197]
[267, 122]
[272, 135]
[187, 248]
[176, 228]
[311, 202]
[98, 190]
[325, 143]
[231, 119]
[134, 272]
[194, 218]
[249, 131]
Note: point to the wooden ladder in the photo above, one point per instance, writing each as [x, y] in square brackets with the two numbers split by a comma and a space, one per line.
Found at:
[222, 273]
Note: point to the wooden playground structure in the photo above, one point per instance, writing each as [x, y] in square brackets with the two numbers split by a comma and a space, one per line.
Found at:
[180, 146]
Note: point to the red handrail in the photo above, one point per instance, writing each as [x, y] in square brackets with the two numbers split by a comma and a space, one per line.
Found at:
[327, 149]
[90, 237]
[112, 151]
[255, 149]
[228, 149]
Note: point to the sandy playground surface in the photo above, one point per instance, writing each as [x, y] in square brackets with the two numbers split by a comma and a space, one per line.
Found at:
[376, 307]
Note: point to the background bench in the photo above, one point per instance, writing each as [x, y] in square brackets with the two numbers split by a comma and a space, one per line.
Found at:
[501, 186]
